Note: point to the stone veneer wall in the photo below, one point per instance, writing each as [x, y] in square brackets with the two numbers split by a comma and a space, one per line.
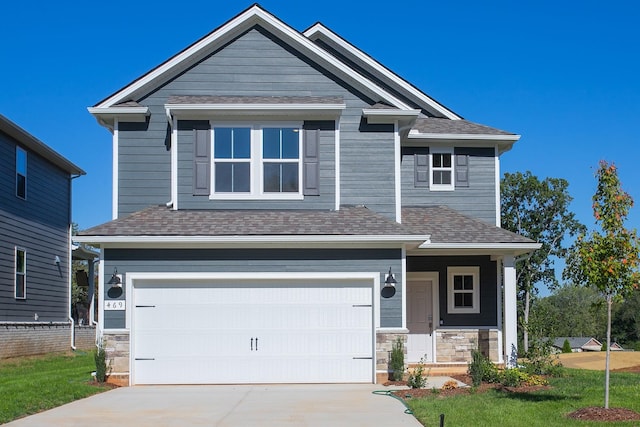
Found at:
[384, 345]
[116, 347]
[30, 339]
[455, 345]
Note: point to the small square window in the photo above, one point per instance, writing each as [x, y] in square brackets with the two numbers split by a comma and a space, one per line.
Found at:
[441, 170]
[463, 286]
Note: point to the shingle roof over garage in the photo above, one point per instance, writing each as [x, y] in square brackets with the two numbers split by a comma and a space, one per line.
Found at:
[434, 125]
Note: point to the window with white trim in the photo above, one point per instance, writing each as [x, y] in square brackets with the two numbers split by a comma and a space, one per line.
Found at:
[441, 167]
[253, 161]
[20, 284]
[21, 173]
[463, 290]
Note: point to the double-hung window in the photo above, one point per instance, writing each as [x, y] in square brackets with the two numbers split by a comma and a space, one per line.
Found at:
[21, 173]
[20, 284]
[441, 170]
[257, 161]
[463, 289]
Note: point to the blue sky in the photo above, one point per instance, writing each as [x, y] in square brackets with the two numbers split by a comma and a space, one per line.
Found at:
[564, 75]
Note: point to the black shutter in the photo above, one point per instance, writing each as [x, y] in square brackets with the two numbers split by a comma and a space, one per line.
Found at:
[201, 162]
[421, 169]
[311, 162]
[462, 170]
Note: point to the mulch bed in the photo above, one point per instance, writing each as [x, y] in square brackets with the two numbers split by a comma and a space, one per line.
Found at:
[597, 413]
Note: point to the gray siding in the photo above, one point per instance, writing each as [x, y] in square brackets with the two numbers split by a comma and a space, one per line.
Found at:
[478, 200]
[258, 260]
[488, 287]
[257, 65]
[39, 225]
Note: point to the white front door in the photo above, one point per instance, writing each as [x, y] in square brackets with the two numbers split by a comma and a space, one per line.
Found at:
[252, 332]
[420, 320]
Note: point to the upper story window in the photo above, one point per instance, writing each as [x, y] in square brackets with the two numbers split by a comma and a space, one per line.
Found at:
[21, 173]
[20, 284]
[257, 161]
[463, 290]
[441, 170]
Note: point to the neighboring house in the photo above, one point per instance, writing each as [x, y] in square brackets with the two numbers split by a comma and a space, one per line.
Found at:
[35, 244]
[285, 207]
[579, 344]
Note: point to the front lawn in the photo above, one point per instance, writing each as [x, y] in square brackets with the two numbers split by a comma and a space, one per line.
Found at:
[33, 384]
[578, 389]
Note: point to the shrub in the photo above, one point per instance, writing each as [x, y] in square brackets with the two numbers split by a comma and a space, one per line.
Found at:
[513, 377]
[397, 360]
[100, 358]
[541, 361]
[604, 346]
[566, 347]
[482, 369]
[418, 378]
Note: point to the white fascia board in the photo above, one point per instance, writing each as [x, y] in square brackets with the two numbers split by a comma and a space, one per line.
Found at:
[462, 136]
[252, 16]
[492, 248]
[380, 116]
[400, 83]
[255, 240]
[107, 116]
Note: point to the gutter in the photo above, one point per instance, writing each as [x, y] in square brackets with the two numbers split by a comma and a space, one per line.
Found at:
[70, 262]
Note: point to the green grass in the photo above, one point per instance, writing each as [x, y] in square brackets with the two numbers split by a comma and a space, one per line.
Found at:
[34, 384]
[578, 389]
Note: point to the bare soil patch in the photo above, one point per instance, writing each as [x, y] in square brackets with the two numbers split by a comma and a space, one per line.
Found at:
[596, 413]
[595, 360]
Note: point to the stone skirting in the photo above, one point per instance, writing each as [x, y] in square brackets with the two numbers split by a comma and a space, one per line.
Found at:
[384, 345]
[30, 339]
[116, 347]
[455, 345]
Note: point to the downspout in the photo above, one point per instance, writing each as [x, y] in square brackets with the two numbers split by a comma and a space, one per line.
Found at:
[70, 263]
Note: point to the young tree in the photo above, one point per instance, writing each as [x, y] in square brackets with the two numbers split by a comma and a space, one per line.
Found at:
[607, 259]
[540, 211]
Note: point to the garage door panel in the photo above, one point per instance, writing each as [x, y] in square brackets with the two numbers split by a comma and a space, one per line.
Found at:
[206, 333]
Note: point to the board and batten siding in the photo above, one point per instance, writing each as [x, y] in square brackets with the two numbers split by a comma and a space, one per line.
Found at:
[40, 226]
[478, 200]
[488, 287]
[256, 64]
[257, 260]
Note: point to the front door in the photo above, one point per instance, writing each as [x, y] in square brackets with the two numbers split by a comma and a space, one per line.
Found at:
[419, 320]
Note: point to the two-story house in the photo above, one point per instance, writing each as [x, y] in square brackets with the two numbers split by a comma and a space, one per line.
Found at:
[35, 245]
[285, 207]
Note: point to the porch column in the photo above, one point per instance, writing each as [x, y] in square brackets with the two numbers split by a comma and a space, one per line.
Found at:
[510, 311]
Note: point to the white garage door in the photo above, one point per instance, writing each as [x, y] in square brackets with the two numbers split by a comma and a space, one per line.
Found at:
[258, 332]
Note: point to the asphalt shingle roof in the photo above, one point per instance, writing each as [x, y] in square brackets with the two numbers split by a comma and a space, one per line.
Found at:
[440, 125]
[162, 221]
[446, 225]
[443, 224]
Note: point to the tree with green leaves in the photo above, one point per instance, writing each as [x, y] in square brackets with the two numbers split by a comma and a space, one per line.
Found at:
[608, 258]
[540, 211]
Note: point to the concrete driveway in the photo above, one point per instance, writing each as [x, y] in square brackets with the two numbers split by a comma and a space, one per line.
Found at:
[230, 405]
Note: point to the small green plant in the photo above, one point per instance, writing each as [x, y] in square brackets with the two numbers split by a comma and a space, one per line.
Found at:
[513, 377]
[566, 347]
[604, 346]
[418, 377]
[542, 361]
[397, 360]
[100, 358]
[482, 369]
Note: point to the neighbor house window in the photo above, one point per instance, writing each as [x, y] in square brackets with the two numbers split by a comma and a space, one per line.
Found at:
[257, 161]
[441, 170]
[21, 274]
[21, 173]
[463, 289]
